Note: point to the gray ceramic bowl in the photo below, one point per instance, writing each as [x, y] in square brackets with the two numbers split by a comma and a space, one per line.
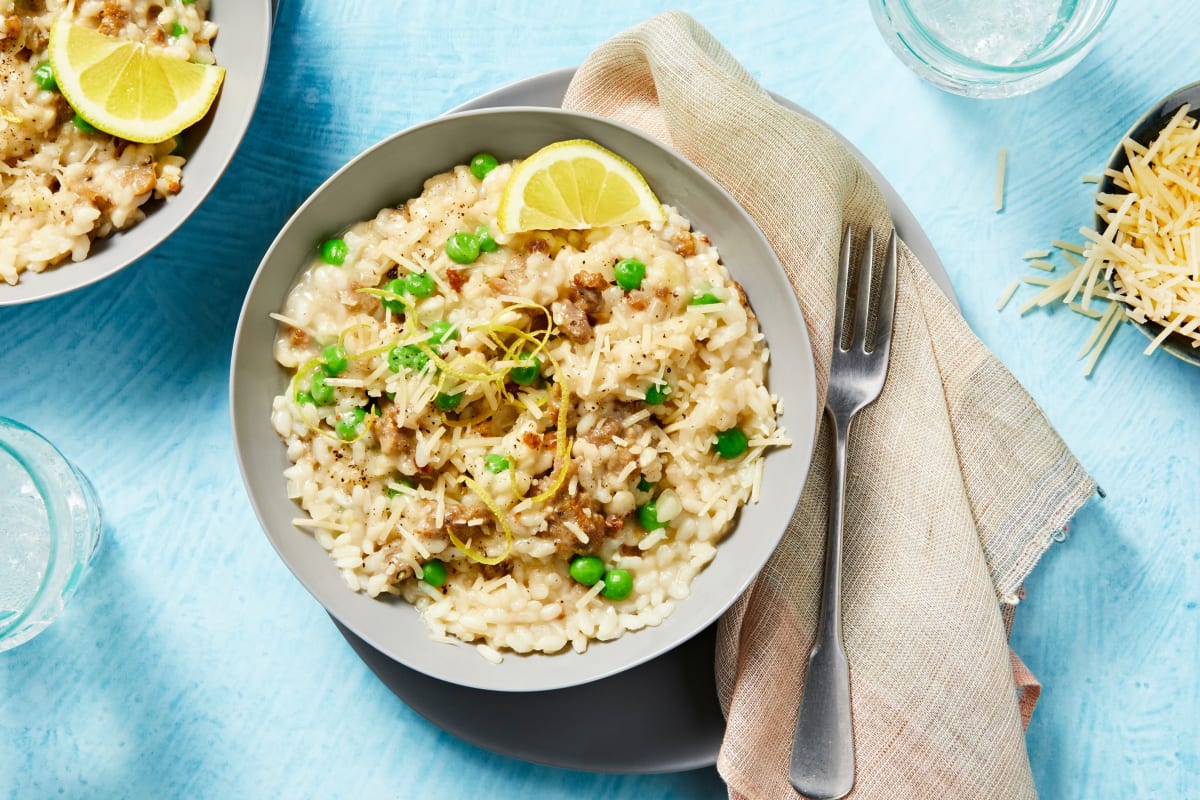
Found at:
[388, 174]
[242, 47]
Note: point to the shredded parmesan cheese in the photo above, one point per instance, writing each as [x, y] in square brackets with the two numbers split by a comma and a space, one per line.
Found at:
[1008, 293]
[591, 594]
[1070, 247]
[1035, 254]
[327, 525]
[1150, 248]
[1116, 320]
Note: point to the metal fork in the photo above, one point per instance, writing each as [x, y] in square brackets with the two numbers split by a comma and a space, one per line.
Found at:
[822, 765]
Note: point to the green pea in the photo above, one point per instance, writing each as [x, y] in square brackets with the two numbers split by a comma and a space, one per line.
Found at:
[648, 516]
[43, 76]
[447, 402]
[706, 299]
[177, 30]
[410, 357]
[335, 359]
[347, 424]
[630, 273]
[177, 147]
[483, 235]
[462, 248]
[496, 463]
[482, 164]
[304, 398]
[618, 584]
[731, 443]
[322, 393]
[187, 2]
[434, 573]
[527, 374]
[334, 251]
[419, 284]
[442, 331]
[657, 394]
[83, 125]
[644, 485]
[587, 570]
[396, 286]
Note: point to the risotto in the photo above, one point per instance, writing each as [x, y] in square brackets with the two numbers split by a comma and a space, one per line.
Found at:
[539, 439]
[63, 184]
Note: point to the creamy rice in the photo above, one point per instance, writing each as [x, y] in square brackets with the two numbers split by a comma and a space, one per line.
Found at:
[60, 188]
[390, 499]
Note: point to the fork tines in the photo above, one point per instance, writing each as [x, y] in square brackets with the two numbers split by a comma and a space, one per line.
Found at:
[872, 304]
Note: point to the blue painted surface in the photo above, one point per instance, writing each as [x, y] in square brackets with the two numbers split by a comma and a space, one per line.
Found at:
[191, 664]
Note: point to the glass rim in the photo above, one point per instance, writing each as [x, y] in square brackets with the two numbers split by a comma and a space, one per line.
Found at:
[1106, 9]
[41, 484]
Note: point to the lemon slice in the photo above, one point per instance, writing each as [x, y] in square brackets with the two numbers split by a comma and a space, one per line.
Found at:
[576, 184]
[125, 88]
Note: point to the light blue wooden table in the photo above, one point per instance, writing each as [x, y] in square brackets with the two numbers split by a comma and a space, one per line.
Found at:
[191, 664]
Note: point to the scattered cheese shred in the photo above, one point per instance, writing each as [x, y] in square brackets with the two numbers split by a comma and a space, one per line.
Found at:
[1098, 329]
[1087, 312]
[1068, 246]
[1000, 168]
[1035, 254]
[1116, 320]
[1052, 292]
[1037, 263]
[1007, 295]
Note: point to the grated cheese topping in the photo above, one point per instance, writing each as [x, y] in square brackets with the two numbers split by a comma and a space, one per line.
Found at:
[1150, 248]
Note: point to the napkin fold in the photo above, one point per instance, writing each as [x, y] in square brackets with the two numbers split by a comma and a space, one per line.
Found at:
[957, 482]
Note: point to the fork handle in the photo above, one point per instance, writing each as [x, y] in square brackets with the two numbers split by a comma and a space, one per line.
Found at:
[822, 764]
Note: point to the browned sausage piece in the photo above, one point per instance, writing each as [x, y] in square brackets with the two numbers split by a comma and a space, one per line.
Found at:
[573, 322]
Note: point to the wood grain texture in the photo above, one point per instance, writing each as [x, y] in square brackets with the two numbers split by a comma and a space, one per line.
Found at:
[191, 663]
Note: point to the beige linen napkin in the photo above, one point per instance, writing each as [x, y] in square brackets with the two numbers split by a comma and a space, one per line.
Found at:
[957, 481]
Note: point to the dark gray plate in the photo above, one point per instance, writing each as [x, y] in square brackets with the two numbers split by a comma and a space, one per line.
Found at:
[671, 718]
[242, 48]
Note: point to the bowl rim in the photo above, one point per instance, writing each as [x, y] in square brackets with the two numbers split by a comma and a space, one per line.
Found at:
[1175, 344]
[803, 440]
[20, 293]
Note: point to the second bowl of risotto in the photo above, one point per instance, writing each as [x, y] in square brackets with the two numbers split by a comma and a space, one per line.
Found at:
[81, 203]
[510, 418]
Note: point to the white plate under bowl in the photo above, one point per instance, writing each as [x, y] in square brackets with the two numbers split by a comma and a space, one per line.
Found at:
[242, 47]
[394, 171]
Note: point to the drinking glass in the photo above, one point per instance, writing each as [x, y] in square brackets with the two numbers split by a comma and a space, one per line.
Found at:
[990, 48]
[49, 530]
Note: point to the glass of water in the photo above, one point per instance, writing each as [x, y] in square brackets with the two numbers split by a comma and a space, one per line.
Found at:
[990, 48]
[49, 529]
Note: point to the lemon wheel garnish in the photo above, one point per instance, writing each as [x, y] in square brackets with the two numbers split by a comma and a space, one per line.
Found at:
[127, 88]
[574, 185]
